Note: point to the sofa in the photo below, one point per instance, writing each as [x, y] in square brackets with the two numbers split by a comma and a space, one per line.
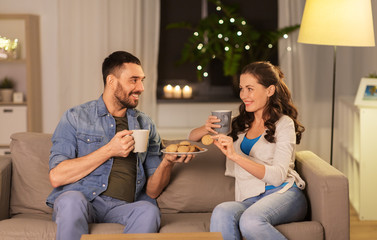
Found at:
[186, 203]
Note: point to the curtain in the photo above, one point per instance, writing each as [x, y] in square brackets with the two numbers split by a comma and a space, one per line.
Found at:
[309, 74]
[89, 30]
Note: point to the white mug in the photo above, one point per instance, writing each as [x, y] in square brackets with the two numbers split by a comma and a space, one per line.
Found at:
[141, 137]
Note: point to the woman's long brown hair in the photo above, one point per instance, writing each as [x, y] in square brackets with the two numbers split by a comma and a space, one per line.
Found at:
[280, 103]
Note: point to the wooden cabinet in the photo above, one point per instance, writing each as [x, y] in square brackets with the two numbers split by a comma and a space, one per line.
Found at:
[356, 156]
[25, 70]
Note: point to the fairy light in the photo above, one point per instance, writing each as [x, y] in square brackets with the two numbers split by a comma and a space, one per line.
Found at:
[270, 45]
[226, 48]
[289, 49]
[205, 74]
[247, 47]
[220, 36]
[285, 36]
[196, 34]
[243, 22]
[221, 21]
[239, 33]
[232, 20]
[199, 67]
[200, 46]
[218, 8]
[226, 39]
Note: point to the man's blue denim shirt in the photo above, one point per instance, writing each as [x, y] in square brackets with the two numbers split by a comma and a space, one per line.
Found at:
[87, 127]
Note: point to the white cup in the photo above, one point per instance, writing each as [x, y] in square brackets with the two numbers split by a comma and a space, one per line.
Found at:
[141, 137]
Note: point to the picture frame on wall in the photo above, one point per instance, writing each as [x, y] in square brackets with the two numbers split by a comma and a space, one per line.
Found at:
[367, 93]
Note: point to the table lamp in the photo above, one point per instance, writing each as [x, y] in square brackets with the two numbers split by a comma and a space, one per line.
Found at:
[337, 23]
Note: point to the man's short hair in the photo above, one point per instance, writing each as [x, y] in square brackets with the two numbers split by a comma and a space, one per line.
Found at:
[115, 61]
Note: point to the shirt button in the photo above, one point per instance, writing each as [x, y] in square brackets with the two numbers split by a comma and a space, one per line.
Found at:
[103, 185]
[111, 125]
[138, 182]
[94, 193]
[88, 140]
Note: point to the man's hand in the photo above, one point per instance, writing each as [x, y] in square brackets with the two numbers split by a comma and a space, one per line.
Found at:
[174, 158]
[122, 144]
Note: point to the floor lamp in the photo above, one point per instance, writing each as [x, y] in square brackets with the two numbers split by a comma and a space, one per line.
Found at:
[337, 23]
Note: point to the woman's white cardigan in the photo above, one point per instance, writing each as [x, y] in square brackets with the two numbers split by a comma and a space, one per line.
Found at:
[278, 158]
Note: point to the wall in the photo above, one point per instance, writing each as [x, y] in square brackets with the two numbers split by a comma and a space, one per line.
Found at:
[47, 10]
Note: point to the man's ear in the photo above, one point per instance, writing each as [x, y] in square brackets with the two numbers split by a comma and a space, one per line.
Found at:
[110, 80]
[271, 90]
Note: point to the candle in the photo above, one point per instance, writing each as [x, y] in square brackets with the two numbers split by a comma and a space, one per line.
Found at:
[187, 92]
[177, 93]
[168, 91]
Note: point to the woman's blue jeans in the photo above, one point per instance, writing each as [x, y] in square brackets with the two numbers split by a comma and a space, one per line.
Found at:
[255, 217]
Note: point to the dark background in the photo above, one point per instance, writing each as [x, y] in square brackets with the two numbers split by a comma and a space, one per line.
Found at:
[261, 14]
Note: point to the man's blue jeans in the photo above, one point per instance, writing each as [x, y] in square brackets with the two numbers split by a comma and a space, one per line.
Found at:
[255, 217]
[72, 214]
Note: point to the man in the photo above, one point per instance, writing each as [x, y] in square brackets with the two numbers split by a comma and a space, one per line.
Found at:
[94, 172]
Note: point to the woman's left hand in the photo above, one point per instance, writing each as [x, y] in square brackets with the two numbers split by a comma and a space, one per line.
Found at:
[225, 144]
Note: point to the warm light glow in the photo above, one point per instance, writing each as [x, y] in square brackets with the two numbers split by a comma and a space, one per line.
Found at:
[187, 92]
[168, 91]
[337, 23]
[177, 93]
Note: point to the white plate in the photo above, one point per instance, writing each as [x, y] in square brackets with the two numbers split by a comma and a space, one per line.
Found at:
[184, 153]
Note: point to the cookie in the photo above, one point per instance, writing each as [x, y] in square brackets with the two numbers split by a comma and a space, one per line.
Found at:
[172, 148]
[192, 148]
[207, 140]
[184, 143]
[183, 148]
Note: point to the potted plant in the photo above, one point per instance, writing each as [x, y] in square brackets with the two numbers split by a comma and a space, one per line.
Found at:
[228, 37]
[6, 89]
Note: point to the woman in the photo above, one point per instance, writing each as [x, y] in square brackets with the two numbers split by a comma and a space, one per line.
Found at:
[260, 153]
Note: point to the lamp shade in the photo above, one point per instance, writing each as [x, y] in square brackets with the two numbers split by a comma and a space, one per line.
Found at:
[337, 23]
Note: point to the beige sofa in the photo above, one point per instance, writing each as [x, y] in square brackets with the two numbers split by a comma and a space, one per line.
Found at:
[186, 204]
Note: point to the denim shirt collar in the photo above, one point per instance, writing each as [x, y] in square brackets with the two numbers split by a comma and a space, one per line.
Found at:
[102, 111]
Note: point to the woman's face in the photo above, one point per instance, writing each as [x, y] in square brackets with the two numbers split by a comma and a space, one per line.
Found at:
[253, 94]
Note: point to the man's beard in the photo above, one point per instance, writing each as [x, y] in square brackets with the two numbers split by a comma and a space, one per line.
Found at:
[120, 96]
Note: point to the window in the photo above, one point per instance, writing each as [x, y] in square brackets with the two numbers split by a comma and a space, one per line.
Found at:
[217, 87]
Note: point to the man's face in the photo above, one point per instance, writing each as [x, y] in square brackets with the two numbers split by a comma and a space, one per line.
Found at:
[129, 85]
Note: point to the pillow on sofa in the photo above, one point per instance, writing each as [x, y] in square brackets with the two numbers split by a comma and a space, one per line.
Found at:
[30, 182]
[199, 185]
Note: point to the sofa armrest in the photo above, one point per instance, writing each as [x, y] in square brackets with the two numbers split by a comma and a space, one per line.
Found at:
[5, 183]
[327, 192]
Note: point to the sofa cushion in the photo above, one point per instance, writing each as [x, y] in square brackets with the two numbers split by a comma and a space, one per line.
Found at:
[199, 185]
[185, 222]
[30, 182]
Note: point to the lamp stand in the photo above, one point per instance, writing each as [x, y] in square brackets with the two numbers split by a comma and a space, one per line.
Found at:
[333, 107]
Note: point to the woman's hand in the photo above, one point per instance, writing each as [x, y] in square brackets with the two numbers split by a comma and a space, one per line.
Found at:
[197, 133]
[225, 144]
[210, 124]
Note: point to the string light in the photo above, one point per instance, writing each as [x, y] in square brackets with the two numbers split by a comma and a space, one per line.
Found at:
[270, 45]
[247, 47]
[243, 22]
[285, 36]
[226, 39]
[196, 34]
[205, 74]
[232, 20]
[218, 8]
[226, 48]
[220, 36]
[221, 21]
[199, 67]
[200, 46]
[239, 33]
